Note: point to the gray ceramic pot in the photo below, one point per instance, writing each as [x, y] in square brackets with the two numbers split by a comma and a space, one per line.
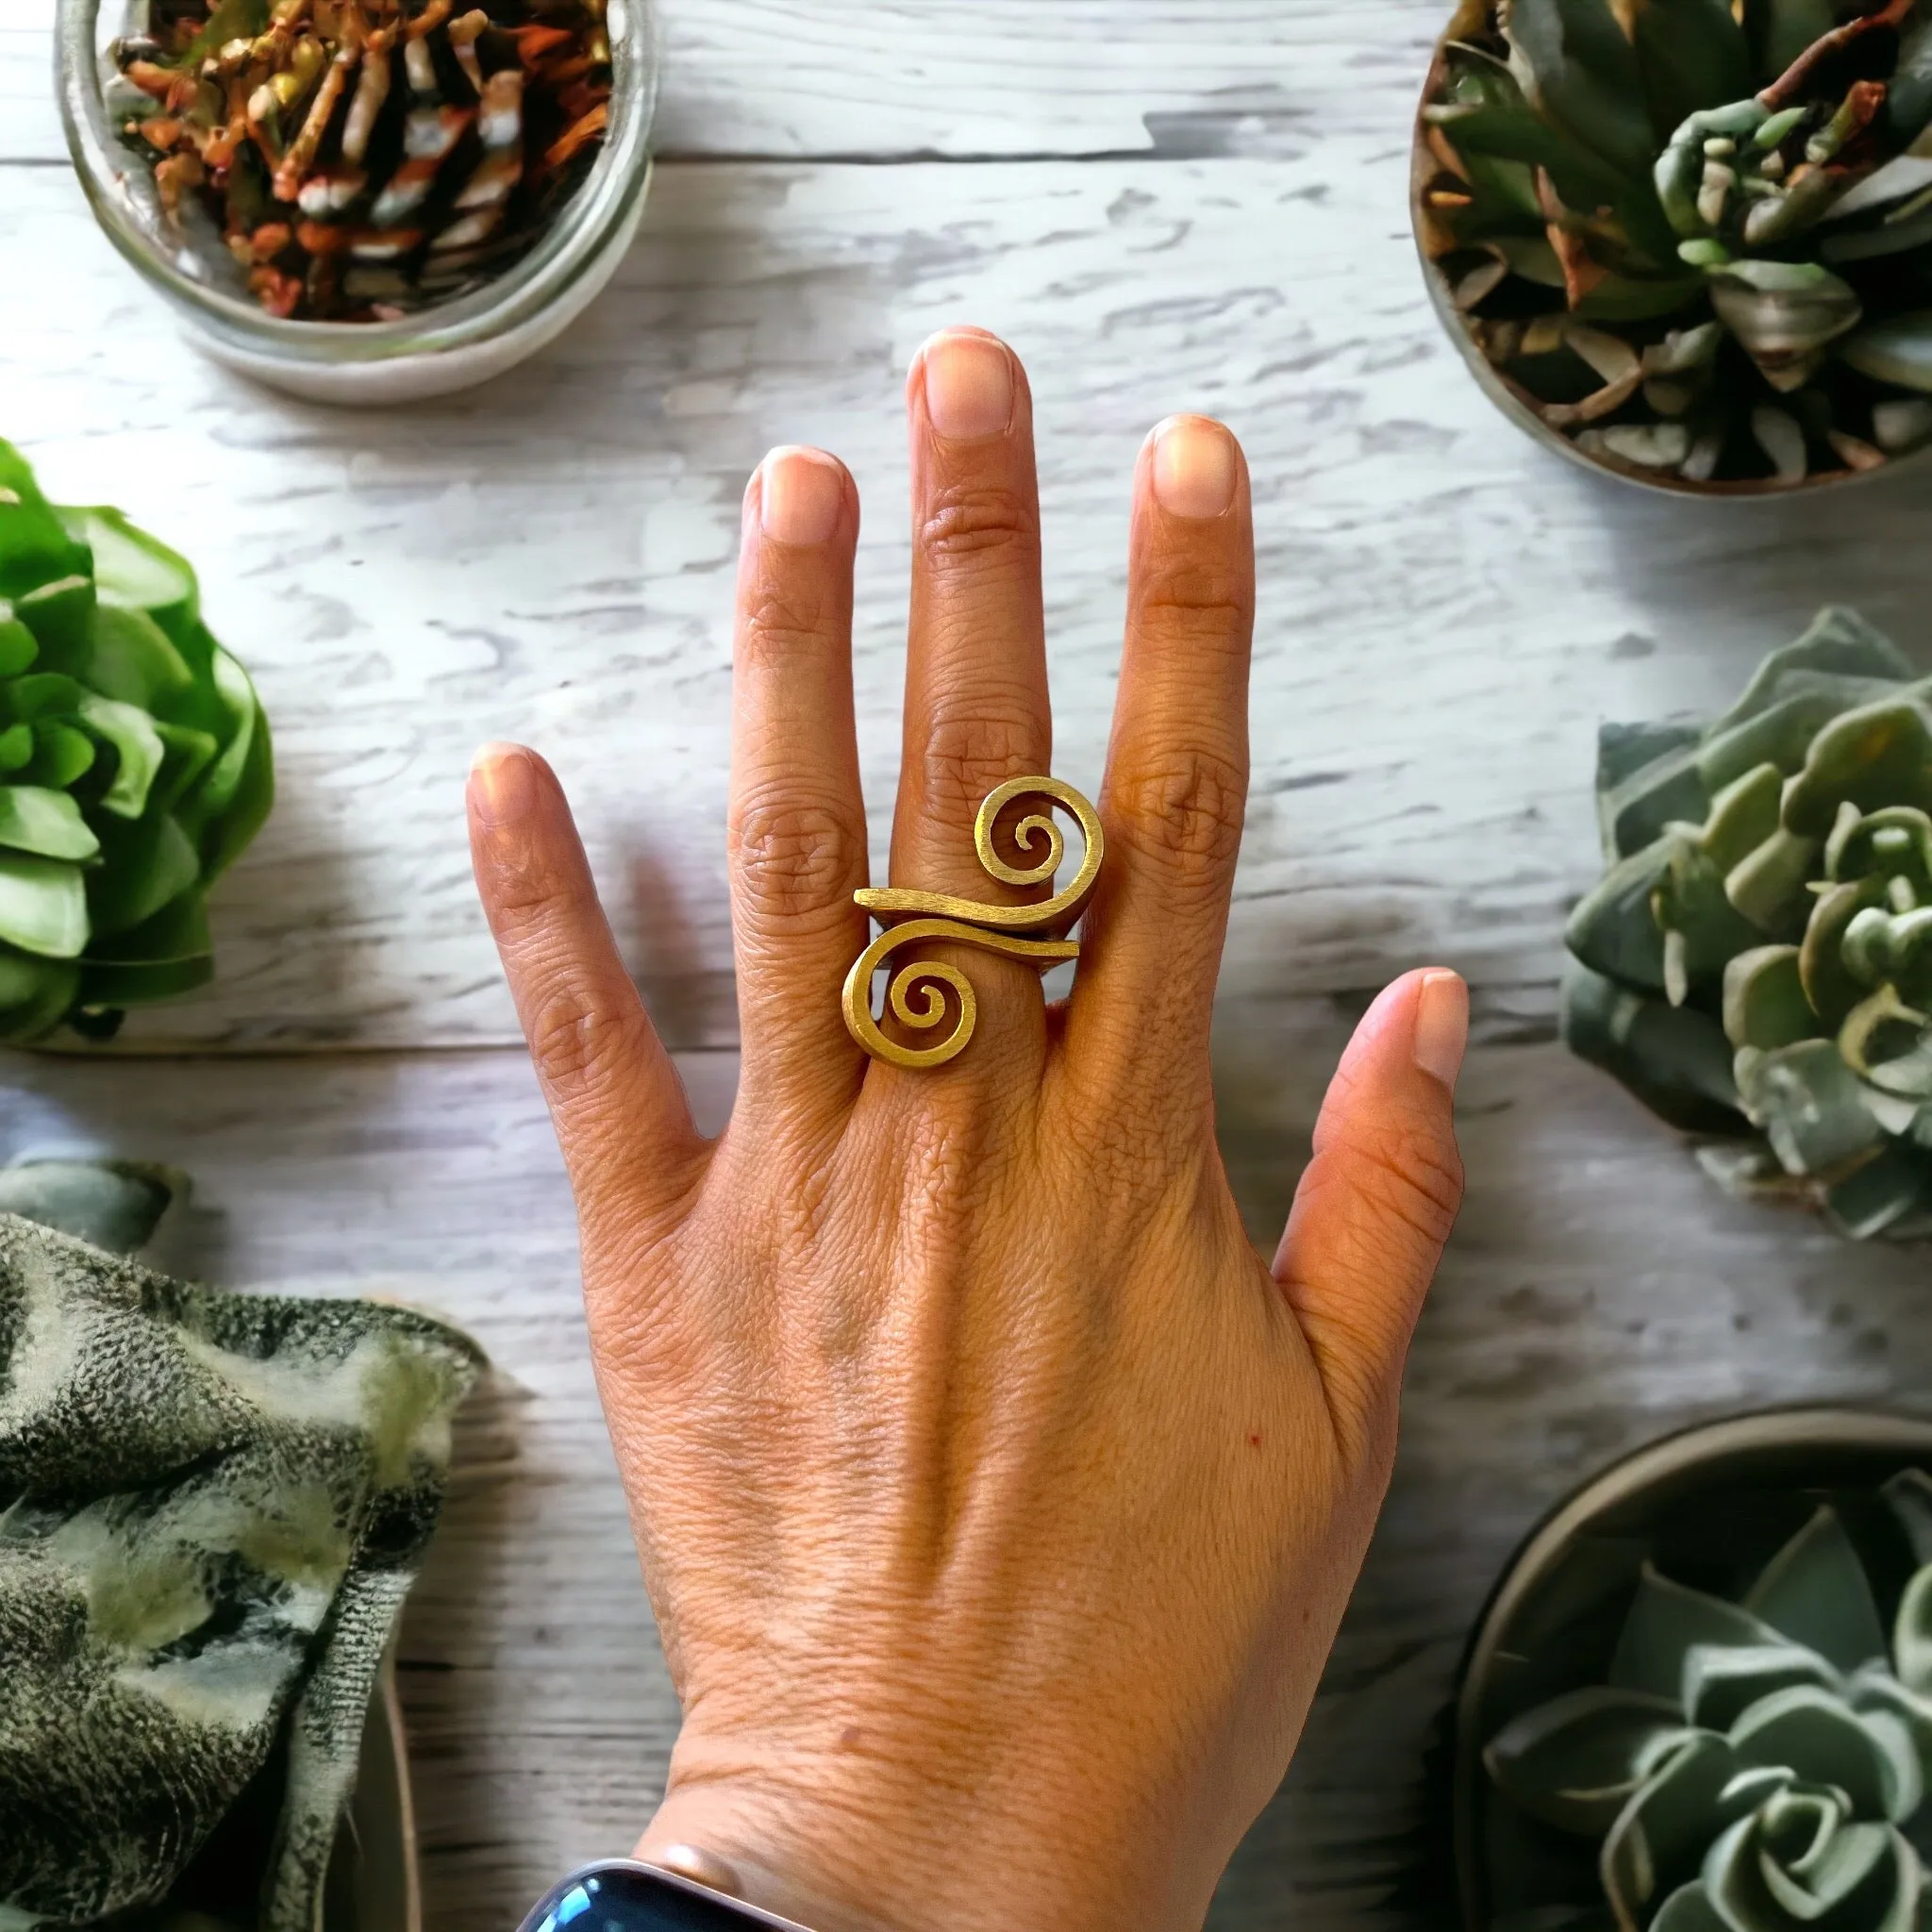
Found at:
[1709, 1507]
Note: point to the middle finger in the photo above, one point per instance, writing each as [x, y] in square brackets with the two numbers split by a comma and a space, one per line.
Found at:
[976, 707]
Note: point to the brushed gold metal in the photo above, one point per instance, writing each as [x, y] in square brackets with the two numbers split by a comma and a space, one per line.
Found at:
[916, 990]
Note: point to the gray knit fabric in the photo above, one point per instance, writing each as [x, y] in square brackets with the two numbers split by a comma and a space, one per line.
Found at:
[212, 1506]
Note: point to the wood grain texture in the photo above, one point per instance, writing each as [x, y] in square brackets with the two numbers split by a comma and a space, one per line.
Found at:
[892, 78]
[1447, 611]
[1598, 1293]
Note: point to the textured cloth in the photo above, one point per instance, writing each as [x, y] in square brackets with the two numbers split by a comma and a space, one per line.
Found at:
[212, 1506]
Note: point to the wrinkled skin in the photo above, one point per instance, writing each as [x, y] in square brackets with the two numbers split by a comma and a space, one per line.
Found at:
[998, 1503]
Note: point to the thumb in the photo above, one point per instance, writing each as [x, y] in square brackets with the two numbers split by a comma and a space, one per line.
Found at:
[1379, 1197]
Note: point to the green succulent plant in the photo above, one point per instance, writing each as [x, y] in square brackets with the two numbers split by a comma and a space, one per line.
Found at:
[1757, 960]
[134, 766]
[1754, 1766]
[1694, 237]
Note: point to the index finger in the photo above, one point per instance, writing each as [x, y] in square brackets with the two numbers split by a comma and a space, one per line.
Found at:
[1177, 771]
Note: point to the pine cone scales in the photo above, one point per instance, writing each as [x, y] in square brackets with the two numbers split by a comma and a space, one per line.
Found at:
[1759, 955]
[365, 158]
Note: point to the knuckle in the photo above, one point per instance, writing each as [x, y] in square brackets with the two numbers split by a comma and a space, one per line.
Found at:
[1408, 1178]
[1199, 603]
[794, 858]
[577, 1041]
[1185, 810]
[967, 755]
[978, 523]
[777, 622]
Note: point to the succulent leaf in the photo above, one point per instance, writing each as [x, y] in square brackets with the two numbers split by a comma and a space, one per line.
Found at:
[1815, 1591]
[1770, 1780]
[135, 765]
[1575, 1761]
[1690, 172]
[1792, 901]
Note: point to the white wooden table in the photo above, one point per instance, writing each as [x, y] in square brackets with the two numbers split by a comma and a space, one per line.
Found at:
[1163, 204]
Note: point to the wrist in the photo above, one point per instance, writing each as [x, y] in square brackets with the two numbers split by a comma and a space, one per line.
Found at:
[840, 1855]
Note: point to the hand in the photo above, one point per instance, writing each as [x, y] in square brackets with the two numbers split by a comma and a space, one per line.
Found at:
[997, 1502]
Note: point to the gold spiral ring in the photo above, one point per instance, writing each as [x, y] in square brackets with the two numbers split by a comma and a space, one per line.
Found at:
[916, 989]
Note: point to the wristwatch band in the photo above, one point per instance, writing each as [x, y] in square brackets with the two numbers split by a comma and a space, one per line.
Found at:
[621, 1895]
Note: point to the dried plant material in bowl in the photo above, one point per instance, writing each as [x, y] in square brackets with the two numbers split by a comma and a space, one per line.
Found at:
[362, 158]
[1689, 241]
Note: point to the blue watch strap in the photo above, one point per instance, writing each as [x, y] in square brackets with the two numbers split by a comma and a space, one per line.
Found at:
[620, 1895]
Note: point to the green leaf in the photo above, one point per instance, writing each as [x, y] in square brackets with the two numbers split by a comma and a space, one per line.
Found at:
[1575, 1761]
[165, 956]
[144, 866]
[136, 571]
[133, 661]
[1780, 30]
[60, 755]
[1770, 885]
[1894, 842]
[188, 756]
[34, 549]
[1646, 777]
[1815, 1591]
[132, 733]
[35, 996]
[1872, 758]
[235, 798]
[1909, 94]
[1880, 1193]
[1660, 1836]
[60, 615]
[1674, 1060]
[1830, 986]
[1577, 66]
[42, 906]
[1911, 1639]
[1816, 1736]
[1897, 350]
[1722, 1681]
[17, 646]
[1666, 1622]
[1693, 55]
[1688, 1909]
[34, 818]
[1784, 311]
[44, 694]
[1810, 1106]
[1764, 999]
[1613, 930]
[17, 748]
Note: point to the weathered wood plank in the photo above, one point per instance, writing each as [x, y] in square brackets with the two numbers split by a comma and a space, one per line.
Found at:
[1598, 1293]
[1447, 611]
[800, 78]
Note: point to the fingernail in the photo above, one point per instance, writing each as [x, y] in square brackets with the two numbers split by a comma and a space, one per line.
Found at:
[503, 784]
[1196, 467]
[1442, 1026]
[969, 386]
[800, 495]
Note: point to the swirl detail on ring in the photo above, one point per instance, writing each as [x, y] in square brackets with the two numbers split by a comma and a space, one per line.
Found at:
[916, 990]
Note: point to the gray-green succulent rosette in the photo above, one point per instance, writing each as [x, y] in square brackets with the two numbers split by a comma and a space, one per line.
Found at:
[134, 766]
[1690, 238]
[1756, 963]
[1749, 1767]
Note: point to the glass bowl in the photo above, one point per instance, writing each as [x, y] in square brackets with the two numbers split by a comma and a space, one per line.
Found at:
[446, 347]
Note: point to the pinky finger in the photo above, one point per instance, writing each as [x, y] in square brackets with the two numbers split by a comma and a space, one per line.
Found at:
[615, 1098]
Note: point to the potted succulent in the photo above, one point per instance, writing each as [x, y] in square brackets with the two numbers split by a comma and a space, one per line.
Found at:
[1753, 965]
[1689, 241]
[134, 766]
[1701, 1699]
